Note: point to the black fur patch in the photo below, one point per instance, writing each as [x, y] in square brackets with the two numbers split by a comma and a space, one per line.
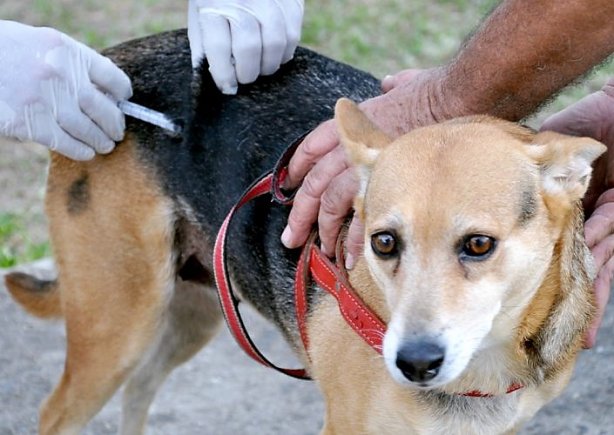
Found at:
[79, 195]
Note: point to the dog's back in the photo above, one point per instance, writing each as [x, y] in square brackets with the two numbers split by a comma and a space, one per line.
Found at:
[227, 142]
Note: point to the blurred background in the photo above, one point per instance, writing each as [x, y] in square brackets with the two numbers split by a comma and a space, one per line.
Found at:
[379, 36]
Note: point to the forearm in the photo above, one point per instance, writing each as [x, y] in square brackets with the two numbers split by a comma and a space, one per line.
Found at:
[526, 51]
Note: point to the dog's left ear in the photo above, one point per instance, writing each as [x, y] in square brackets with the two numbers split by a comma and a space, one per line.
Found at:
[361, 139]
[565, 163]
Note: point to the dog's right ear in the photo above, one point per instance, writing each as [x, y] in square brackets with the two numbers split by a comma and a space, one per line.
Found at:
[361, 139]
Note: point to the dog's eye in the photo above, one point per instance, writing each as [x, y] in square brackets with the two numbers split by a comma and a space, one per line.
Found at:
[477, 246]
[384, 244]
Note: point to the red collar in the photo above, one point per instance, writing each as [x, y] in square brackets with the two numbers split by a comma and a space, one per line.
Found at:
[311, 263]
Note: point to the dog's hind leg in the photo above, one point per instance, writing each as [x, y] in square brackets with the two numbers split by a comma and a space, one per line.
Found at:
[113, 232]
[192, 320]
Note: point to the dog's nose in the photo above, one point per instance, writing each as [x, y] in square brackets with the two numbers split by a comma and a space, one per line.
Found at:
[420, 361]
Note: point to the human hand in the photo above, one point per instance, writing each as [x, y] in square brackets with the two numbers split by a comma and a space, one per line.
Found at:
[599, 235]
[593, 116]
[243, 39]
[59, 92]
[328, 182]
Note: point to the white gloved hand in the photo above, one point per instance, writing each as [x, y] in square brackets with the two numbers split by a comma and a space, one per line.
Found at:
[243, 39]
[59, 92]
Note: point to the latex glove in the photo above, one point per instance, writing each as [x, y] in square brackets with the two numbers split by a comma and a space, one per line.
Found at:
[59, 92]
[243, 39]
[593, 116]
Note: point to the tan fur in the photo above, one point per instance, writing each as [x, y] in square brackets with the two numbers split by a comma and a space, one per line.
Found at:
[468, 175]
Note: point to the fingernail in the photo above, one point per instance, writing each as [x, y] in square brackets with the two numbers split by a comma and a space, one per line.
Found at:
[107, 147]
[286, 237]
[349, 262]
[230, 90]
[323, 249]
[387, 81]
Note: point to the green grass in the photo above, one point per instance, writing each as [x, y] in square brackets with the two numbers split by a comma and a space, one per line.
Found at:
[15, 245]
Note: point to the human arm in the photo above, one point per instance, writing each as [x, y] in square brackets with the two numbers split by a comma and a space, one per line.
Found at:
[243, 39]
[59, 92]
[521, 55]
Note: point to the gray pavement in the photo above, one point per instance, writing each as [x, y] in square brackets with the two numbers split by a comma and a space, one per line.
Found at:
[221, 391]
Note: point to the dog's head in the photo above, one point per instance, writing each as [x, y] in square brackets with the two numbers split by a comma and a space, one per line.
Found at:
[462, 222]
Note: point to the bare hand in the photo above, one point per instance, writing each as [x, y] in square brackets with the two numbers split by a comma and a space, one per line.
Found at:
[593, 116]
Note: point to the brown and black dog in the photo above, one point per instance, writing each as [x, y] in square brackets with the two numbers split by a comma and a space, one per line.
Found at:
[474, 254]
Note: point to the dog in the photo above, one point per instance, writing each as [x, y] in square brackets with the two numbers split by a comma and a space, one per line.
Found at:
[473, 253]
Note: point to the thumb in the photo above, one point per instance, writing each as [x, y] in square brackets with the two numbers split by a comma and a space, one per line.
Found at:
[354, 242]
[392, 81]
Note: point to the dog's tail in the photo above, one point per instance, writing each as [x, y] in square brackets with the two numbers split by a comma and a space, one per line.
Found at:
[38, 297]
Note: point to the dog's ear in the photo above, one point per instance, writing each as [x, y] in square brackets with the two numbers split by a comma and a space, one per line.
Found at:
[361, 139]
[565, 163]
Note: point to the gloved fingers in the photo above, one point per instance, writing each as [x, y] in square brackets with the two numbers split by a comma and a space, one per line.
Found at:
[194, 34]
[104, 112]
[272, 27]
[83, 129]
[102, 72]
[293, 13]
[246, 45]
[56, 139]
[217, 46]
[109, 78]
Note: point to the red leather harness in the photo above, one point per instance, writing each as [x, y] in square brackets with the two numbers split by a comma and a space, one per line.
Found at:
[312, 263]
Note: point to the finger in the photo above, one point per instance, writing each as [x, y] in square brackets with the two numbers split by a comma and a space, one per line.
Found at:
[599, 225]
[392, 81]
[56, 139]
[607, 196]
[354, 242]
[104, 112]
[217, 45]
[602, 288]
[603, 251]
[107, 76]
[335, 206]
[293, 13]
[246, 46]
[273, 39]
[305, 207]
[195, 37]
[82, 128]
[317, 144]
